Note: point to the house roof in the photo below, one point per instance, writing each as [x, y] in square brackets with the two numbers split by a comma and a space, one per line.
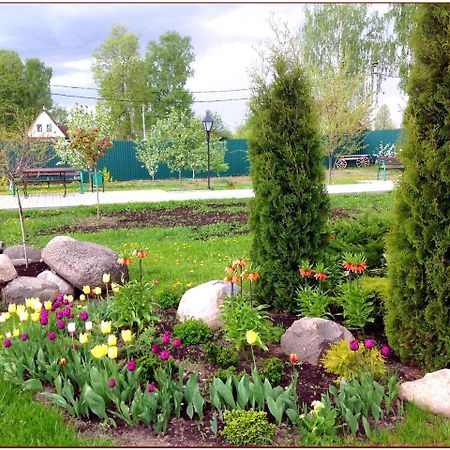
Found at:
[61, 127]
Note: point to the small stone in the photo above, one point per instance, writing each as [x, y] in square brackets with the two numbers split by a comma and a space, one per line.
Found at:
[17, 255]
[7, 270]
[64, 287]
[17, 290]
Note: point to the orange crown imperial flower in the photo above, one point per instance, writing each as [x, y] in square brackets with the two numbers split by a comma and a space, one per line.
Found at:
[320, 276]
[124, 261]
[253, 276]
[228, 280]
[230, 269]
[305, 272]
[237, 279]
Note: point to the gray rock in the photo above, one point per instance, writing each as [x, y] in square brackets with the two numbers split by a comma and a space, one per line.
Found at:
[309, 337]
[203, 302]
[17, 290]
[63, 286]
[83, 263]
[432, 392]
[7, 269]
[16, 253]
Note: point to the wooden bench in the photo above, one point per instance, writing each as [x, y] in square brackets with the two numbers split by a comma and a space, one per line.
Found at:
[388, 163]
[44, 175]
[361, 161]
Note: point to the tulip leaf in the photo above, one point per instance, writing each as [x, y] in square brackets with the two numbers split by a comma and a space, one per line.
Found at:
[274, 409]
[191, 386]
[226, 392]
[95, 402]
[32, 385]
[199, 403]
[190, 411]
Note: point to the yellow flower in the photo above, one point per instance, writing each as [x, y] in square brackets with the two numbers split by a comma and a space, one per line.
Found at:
[99, 351]
[112, 352]
[37, 306]
[15, 332]
[23, 316]
[29, 302]
[105, 327]
[35, 316]
[86, 290]
[20, 309]
[115, 287]
[82, 298]
[317, 405]
[12, 308]
[112, 340]
[7, 315]
[48, 305]
[97, 291]
[106, 278]
[84, 338]
[126, 335]
[252, 337]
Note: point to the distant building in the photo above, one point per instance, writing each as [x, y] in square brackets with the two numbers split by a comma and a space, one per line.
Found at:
[44, 127]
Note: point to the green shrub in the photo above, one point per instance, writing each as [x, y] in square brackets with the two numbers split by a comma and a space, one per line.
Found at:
[346, 363]
[133, 306]
[290, 208]
[358, 309]
[376, 290]
[169, 299]
[224, 374]
[418, 307]
[192, 332]
[312, 302]
[150, 363]
[273, 370]
[220, 355]
[141, 344]
[248, 428]
[275, 333]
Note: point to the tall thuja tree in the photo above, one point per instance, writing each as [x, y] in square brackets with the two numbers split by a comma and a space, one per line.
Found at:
[290, 207]
[418, 310]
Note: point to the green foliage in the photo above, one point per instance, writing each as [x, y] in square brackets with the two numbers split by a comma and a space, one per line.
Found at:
[140, 345]
[290, 207]
[240, 316]
[248, 428]
[312, 302]
[133, 306]
[168, 299]
[149, 364]
[149, 152]
[418, 310]
[346, 363]
[383, 120]
[192, 332]
[358, 310]
[376, 290]
[273, 370]
[275, 333]
[220, 355]
[224, 374]
[361, 399]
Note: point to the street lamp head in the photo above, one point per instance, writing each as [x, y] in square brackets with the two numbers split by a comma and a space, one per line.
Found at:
[208, 123]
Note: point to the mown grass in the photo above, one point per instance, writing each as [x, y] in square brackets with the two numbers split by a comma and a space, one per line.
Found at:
[26, 423]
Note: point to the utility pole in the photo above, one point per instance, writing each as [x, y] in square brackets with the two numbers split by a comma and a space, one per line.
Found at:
[143, 121]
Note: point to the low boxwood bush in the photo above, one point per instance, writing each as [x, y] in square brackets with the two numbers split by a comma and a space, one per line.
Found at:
[168, 300]
[192, 332]
[273, 370]
[221, 356]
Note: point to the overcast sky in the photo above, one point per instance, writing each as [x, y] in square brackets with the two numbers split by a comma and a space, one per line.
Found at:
[224, 38]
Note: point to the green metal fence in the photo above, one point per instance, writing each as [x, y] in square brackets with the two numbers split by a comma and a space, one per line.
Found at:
[121, 160]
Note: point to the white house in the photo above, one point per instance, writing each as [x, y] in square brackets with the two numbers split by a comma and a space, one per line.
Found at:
[44, 127]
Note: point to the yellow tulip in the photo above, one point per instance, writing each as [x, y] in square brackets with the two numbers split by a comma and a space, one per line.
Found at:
[86, 290]
[112, 340]
[99, 351]
[252, 337]
[82, 298]
[20, 309]
[69, 298]
[48, 305]
[115, 287]
[29, 302]
[15, 332]
[112, 352]
[2, 318]
[12, 308]
[84, 338]
[35, 316]
[23, 316]
[126, 335]
[106, 278]
[7, 315]
[97, 291]
[37, 306]
[105, 327]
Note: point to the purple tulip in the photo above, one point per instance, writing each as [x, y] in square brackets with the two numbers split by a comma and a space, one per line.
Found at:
[72, 334]
[166, 338]
[44, 313]
[59, 315]
[71, 316]
[67, 312]
[59, 297]
[84, 315]
[56, 305]
[177, 342]
[7, 343]
[385, 350]
[70, 305]
[354, 345]
[60, 324]
[65, 302]
[43, 320]
[368, 343]
[112, 383]
[131, 365]
[156, 348]
[151, 387]
[164, 355]
[51, 335]
[24, 336]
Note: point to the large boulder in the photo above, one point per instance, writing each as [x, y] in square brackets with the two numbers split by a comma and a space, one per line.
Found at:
[82, 263]
[7, 270]
[63, 286]
[17, 290]
[17, 255]
[203, 302]
[432, 392]
[309, 337]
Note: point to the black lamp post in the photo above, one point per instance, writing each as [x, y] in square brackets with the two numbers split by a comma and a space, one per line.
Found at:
[207, 125]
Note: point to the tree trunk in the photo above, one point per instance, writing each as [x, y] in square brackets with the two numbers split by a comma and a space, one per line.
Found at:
[193, 174]
[179, 177]
[96, 192]
[22, 226]
[330, 168]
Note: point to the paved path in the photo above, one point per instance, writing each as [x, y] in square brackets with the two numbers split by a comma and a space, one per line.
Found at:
[48, 201]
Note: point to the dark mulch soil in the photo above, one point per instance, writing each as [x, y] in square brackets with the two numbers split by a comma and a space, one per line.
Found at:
[33, 269]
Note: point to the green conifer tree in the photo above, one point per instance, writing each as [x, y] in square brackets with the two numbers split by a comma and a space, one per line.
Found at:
[418, 310]
[290, 208]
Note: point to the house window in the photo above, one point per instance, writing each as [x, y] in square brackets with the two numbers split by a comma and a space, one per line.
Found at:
[39, 128]
[49, 127]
